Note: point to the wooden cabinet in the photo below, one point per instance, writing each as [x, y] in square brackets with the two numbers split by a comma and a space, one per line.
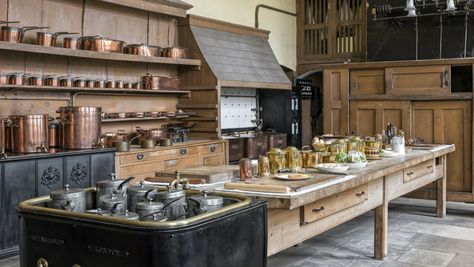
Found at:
[367, 82]
[144, 163]
[448, 122]
[419, 80]
[369, 117]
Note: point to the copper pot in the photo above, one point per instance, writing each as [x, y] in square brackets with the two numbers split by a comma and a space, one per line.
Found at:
[4, 78]
[16, 78]
[154, 134]
[152, 82]
[29, 133]
[48, 38]
[80, 127]
[15, 34]
[109, 84]
[127, 85]
[136, 85]
[53, 133]
[99, 84]
[33, 79]
[118, 84]
[89, 83]
[73, 43]
[65, 81]
[152, 114]
[102, 44]
[50, 80]
[175, 52]
[143, 50]
[78, 82]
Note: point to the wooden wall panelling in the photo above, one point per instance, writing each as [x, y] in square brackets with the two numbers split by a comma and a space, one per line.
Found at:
[88, 68]
[371, 117]
[62, 16]
[3, 9]
[158, 31]
[335, 101]
[367, 82]
[12, 61]
[448, 122]
[116, 22]
[45, 64]
[418, 80]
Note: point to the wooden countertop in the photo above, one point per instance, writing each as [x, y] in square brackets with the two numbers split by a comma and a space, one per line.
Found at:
[307, 191]
[137, 149]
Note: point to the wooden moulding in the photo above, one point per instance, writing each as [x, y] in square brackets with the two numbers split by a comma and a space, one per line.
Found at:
[58, 51]
[174, 8]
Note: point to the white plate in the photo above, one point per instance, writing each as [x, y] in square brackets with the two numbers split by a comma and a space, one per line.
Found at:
[296, 176]
[354, 166]
[389, 154]
[332, 167]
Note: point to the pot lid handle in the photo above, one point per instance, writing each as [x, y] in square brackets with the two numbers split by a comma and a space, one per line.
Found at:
[112, 176]
[148, 194]
[115, 208]
[66, 187]
[122, 184]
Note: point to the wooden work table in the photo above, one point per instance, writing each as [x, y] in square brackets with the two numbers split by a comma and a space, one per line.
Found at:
[321, 203]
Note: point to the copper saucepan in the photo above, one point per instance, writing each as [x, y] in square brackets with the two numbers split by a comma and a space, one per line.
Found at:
[175, 52]
[143, 50]
[102, 44]
[49, 38]
[16, 34]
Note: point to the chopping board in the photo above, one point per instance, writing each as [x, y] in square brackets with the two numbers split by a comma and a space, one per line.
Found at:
[272, 185]
[211, 174]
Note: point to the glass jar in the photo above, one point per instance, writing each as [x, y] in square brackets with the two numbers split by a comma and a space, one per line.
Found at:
[293, 159]
[263, 167]
[338, 146]
[276, 159]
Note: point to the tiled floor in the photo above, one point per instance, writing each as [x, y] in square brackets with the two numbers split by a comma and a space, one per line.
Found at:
[416, 239]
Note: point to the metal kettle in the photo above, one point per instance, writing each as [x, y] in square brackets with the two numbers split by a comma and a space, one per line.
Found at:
[204, 203]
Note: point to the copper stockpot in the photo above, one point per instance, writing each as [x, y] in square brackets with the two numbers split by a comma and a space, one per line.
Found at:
[29, 133]
[143, 50]
[33, 79]
[80, 127]
[175, 52]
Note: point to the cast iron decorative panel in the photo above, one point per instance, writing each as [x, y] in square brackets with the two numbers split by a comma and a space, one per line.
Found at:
[78, 173]
[50, 177]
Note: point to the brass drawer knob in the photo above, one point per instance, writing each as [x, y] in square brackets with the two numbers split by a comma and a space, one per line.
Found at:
[212, 149]
[42, 263]
[360, 194]
[140, 156]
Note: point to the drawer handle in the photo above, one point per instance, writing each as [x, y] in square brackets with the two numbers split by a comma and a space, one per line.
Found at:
[410, 173]
[445, 82]
[360, 194]
[429, 167]
[42, 263]
[212, 149]
[183, 151]
[140, 156]
[318, 209]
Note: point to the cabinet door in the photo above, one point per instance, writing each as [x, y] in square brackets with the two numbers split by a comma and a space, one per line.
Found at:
[336, 102]
[448, 122]
[418, 80]
[370, 117]
[367, 82]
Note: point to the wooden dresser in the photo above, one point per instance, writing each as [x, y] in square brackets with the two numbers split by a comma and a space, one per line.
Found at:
[429, 99]
[143, 163]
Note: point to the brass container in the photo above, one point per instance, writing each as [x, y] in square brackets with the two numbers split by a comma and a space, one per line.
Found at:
[372, 149]
[328, 158]
[355, 144]
[338, 146]
[29, 133]
[310, 158]
[80, 127]
[263, 167]
[245, 167]
[276, 159]
[293, 159]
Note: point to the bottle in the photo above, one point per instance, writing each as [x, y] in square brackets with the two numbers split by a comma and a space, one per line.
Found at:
[389, 132]
[384, 138]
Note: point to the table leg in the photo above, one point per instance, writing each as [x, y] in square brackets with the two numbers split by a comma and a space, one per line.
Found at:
[441, 193]
[381, 231]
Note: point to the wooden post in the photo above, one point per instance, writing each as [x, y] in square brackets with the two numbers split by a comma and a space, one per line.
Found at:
[381, 231]
[441, 192]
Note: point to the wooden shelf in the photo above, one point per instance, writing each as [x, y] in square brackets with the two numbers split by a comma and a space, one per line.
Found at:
[175, 8]
[145, 119]
[452, 96]
[95, 90]
[58, 51]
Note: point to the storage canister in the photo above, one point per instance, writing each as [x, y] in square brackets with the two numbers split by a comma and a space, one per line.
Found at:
[69, 199]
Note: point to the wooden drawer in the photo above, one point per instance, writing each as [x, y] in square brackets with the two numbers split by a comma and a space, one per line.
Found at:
[140, 157]
[145, 168]
[211, 149]
[418, 170]
[217, 159]
[418, 80]
[333, 204]
[367, 82]
[179, 163]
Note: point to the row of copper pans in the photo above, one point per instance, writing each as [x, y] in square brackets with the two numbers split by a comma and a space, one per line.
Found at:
[149, 114]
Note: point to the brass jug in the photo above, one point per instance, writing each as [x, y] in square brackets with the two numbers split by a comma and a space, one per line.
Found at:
[310, 158]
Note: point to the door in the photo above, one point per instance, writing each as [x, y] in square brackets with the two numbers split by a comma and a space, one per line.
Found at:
[336, 101]
[448, 122]
[371, 117]
[418, 80]
[367, 82]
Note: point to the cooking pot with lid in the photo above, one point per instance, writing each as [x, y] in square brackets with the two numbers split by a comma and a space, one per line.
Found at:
[136, 194]
[204, 203]
[69, 199]
[112, 186]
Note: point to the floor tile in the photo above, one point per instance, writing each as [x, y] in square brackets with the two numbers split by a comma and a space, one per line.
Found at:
[426, 257]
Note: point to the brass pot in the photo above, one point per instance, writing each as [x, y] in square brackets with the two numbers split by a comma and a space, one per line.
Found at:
[29, 133]
[293, 159]
[147, 143]
[80, 127]
[121, 146]
[277, 160]
[338, 146]
[310, 158]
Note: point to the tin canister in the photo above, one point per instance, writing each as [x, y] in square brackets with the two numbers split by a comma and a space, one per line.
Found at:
[293, 159]
[263, 166]
[276, 159]
[245, 166]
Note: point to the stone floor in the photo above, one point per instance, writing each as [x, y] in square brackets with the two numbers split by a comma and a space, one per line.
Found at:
[416, 238]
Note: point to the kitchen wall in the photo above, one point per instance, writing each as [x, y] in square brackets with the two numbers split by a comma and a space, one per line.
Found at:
[282, 26]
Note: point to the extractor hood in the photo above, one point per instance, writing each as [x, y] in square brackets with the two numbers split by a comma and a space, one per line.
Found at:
[238, 56]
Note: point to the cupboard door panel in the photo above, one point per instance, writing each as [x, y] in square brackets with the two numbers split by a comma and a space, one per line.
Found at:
[367, 82]
[448, 122]
[418, 80]
[371, 117]
[335, 101]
